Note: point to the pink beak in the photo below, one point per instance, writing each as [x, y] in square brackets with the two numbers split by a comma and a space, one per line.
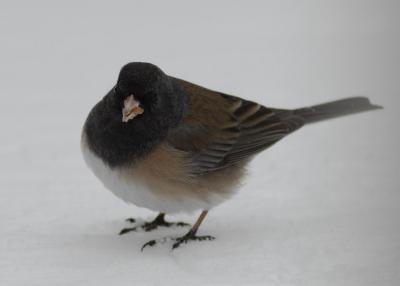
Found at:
[131, 108]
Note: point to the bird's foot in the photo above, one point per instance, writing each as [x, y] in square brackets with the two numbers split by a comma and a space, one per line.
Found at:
[149, 226]
[178, 240]
[191, 236]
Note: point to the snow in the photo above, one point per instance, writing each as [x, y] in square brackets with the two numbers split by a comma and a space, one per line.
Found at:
[319, 208]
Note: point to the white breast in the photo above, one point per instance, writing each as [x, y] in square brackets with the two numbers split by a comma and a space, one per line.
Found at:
[133, 190]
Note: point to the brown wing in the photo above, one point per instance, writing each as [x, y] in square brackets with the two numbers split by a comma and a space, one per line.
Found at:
[221, 130]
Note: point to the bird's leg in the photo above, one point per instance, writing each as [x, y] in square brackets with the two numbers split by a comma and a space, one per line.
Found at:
[149, 226]
[191, 235]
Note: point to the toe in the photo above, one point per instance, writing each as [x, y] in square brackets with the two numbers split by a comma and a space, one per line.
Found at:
[181, 223]
[126, 230]
[149, 243]
[176, 244]
[149, 227]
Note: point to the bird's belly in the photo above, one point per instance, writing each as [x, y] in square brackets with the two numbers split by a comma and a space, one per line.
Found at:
[132, 189]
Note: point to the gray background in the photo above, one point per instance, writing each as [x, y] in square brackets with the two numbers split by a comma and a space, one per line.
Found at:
[319, 208]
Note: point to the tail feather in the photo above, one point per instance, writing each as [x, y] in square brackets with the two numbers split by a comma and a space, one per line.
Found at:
[334, 109]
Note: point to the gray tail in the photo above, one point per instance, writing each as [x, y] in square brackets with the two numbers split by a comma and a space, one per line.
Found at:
[336, 108]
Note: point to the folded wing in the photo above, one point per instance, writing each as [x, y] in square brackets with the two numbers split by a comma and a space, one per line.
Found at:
[222, 130]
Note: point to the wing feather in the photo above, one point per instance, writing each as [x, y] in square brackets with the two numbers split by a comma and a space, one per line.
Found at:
[229, 128]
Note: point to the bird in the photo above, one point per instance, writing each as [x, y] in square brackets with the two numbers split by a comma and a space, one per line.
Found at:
[171, 146]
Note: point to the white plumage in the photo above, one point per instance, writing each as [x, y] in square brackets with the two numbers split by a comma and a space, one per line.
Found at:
[132, 189]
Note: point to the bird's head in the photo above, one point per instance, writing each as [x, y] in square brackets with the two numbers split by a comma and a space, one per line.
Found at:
[143, 89]
[136, 114]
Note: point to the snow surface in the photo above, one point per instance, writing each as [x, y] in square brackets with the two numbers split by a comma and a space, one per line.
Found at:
[319, 208]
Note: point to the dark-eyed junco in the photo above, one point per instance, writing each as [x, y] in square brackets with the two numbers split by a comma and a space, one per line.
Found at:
[171, 146]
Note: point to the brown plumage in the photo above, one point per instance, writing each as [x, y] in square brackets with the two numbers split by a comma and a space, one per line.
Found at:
[227, 130]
